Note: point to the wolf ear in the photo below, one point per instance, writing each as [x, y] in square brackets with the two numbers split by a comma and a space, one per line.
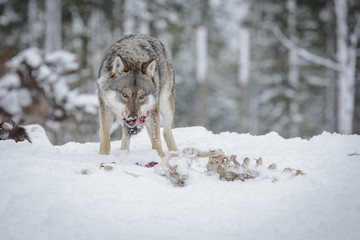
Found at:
[119, 65]
[149, 67]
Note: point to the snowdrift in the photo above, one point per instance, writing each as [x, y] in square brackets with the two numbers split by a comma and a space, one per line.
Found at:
[62, 192]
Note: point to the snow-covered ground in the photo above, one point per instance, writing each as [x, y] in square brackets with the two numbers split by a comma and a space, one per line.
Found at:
[44, 193]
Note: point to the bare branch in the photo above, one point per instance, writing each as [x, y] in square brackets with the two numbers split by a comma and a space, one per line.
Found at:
[305, 54]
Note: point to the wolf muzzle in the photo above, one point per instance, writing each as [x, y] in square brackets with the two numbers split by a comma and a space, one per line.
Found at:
[134, 120]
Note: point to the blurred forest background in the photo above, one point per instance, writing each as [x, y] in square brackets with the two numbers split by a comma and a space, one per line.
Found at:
[289, 66]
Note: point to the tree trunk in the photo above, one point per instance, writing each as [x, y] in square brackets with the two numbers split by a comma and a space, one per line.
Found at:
[243, 78]
[200, 44]
[201, 70]
[330, 98]
[151, 8]
[356, 124]
[53, 25]
[293, 71]
[119, 15]
[32, 19]
[346, 58]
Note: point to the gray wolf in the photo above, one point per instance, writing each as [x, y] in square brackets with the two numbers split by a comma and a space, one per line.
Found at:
[136, 84]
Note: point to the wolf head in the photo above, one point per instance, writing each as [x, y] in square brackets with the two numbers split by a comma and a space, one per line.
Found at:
[130, 91]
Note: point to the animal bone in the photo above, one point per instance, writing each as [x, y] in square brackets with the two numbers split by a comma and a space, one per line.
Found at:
[175, 166]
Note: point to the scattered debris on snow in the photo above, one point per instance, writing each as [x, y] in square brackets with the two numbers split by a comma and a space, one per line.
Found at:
[107, 166]
[176, 166]
[9, 130]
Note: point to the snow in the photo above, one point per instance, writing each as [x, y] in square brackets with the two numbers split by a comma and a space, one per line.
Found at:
[14, 100]
[9, 80]
[59, 192]
[31, 56]
[88, 102]
[64, 61]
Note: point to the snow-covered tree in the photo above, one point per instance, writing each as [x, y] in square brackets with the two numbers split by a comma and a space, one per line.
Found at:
[345, 64]
[36, 89]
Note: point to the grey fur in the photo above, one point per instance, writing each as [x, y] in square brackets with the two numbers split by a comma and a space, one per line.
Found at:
[136, 74]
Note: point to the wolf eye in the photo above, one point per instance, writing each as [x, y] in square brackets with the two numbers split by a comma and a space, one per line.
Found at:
[142, 97]
[125, 95]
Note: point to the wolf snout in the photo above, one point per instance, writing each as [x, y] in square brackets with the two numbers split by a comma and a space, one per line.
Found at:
[135, 120]
[131, 120]
[132, 117]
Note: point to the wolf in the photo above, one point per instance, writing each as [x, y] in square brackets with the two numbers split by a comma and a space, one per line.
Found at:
[136, 85]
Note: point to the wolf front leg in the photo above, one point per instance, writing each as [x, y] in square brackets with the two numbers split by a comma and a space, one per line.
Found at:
[106, 119]
[125, 139]
[153, 129]
[167, 109]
